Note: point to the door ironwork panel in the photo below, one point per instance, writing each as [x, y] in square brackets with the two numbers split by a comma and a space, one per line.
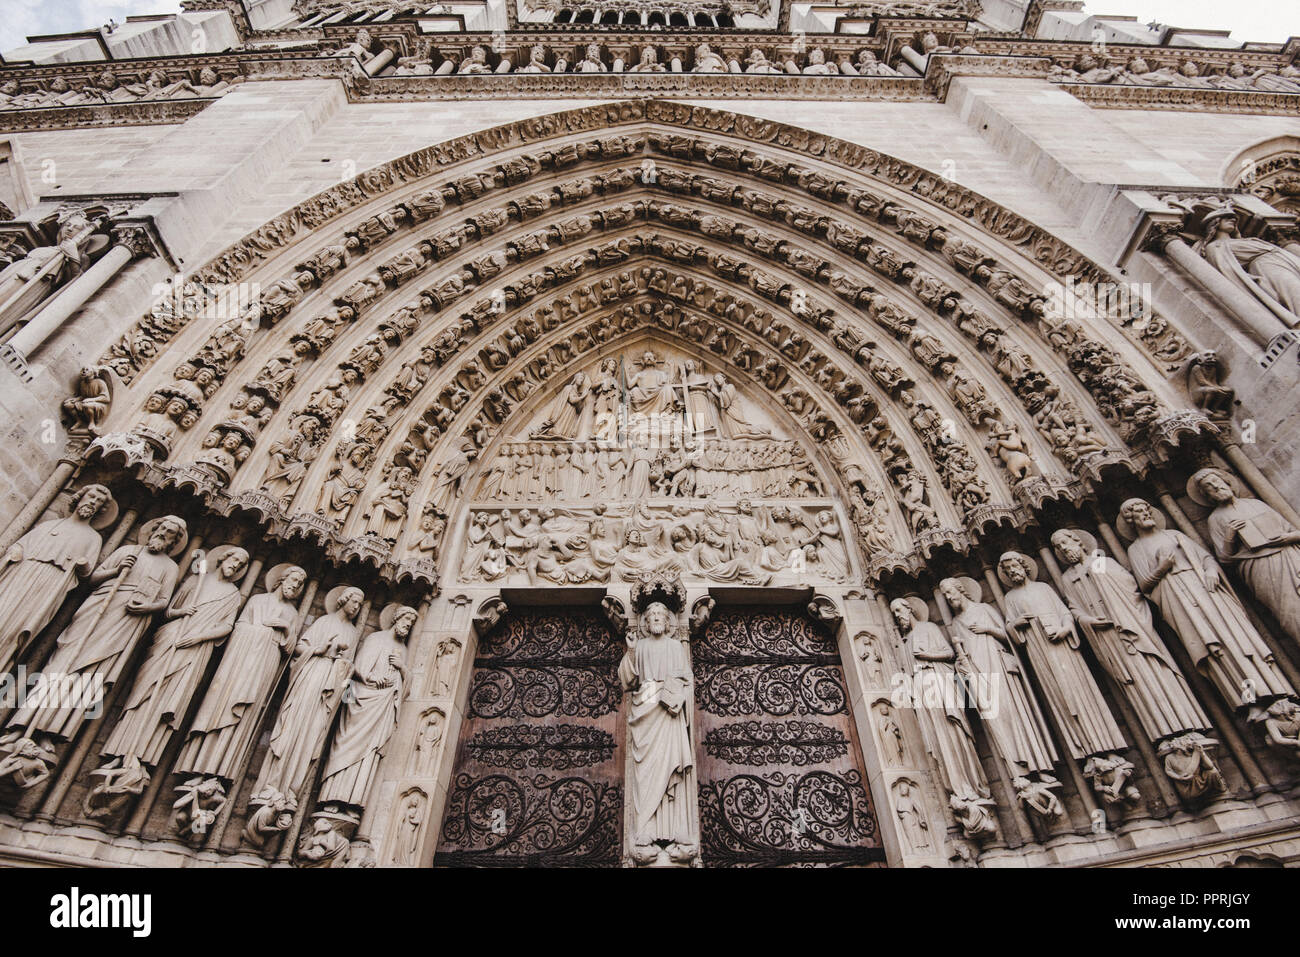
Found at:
[539, 763]
[782, 782]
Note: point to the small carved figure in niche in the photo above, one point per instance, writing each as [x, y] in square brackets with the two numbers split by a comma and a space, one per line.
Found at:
[706, 61]
[86, 410]
[591, 61]
[1007, 444]
[536, 61]
[474, 64]
[911, 814]
[648, 63]
[1203, 376]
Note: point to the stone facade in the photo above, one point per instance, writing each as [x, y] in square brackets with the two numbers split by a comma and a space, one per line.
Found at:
[697, 434]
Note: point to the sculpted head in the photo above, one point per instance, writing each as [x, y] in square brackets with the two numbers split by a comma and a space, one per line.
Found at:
[1139, 514]
[166, 535]
[350, 603]
[233, 563]
[902, 611]
[292, 582]
[90, 500]
[1014, 568]
[404, 621]
[1215, 486]
[655, 621]
[954, 594]
[1068, 546]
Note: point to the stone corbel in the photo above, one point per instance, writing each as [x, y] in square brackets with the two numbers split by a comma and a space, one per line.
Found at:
[616, 613]
[701, 614]
[489, 615]
[825, 611]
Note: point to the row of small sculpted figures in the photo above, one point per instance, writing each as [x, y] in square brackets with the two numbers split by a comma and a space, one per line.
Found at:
[1087, 68]
[740, 545]
[1106, 604]
[536, 471]
[478, 62]
[331, 672]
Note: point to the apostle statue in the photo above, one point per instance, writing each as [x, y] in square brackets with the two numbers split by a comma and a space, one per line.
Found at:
[133, 584]
[39, 569]
[370, 709]
[1002, 696]
[222, 734]
[1038, 619]
[1105, 600]
[661, 780]
[316, 683]
[939, 703]
[1269, 273]
[1188, 587]
[1254, 537]
[199, 617]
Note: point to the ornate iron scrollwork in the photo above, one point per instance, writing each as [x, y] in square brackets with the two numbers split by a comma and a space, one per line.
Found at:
[776, 742]
[502, 821]
[817, 819]
[558, 748]
[543, 703]
[803, 803]
[540, 665]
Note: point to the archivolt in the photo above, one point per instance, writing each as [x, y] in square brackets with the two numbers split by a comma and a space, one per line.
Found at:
[701, 208]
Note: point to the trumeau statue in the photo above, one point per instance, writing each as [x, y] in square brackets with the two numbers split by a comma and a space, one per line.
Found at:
[1003, 699]
[1038, 619]
[317, 680]
[41, 568]
[1254, 538]
[1196, 601]
[1116, 620]
[370, 710]
[200, 616]
[133, 584]
[221, 735]
[938, 698]
[661, 778]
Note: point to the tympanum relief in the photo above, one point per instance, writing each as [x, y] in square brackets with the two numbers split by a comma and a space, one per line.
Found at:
[650, 461]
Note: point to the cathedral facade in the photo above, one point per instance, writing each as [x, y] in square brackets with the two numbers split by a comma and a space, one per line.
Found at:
[719, 433]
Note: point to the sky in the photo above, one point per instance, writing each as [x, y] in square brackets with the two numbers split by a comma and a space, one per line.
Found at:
[1255, 20]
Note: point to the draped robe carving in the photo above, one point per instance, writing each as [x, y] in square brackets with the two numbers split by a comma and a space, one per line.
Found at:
[39, 570]
[222, 732]
[661, 781]
[1207, 616]
[370, 710]
[325, 660]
